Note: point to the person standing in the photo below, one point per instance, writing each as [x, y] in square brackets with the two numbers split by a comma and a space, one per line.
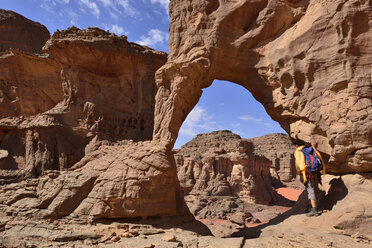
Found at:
[309, 165]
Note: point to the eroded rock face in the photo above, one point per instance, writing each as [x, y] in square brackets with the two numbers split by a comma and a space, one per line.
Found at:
[222, 164]
[90, 88]
[107, 82]
[224, 176]
[126, 180]
[279, 149]
[308, 63]
[64, 114]
[21, 33]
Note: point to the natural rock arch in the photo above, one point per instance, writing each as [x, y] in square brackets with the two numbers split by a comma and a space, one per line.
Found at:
[307, 62]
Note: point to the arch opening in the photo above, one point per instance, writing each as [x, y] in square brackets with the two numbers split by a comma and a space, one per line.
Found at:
[225, 169]
[227, 106]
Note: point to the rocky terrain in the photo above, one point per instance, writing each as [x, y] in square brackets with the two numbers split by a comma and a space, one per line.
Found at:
[226, 177]
[21, 33]
[222, 164]
[83, 165]
[279, 150]
[88, 87]
[308, 62]
[343, 223]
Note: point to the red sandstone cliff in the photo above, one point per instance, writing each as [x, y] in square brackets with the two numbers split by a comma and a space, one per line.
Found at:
[90, 86]
[21, 33]
[73, 117]
[307, 62]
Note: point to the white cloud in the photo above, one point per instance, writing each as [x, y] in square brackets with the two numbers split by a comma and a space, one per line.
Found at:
[92, 6]
[250, 118]
[198, 121]
[268, 125]
[163, 3]
[107, 3]
[235, 124]
[73, 17]
[128, 8]
[195, 116]
[255, 120]
[116, 7]
[114, 16]
[48, 5]
[155, 36]
[117, 29]
[239, 132]
[188, 131]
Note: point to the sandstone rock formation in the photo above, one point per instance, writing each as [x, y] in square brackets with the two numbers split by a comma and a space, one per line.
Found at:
[347, 203]
[279, 149]
[70, 132]
[90, 86]
[64, 114]
[222, 164]
[226, 177]
[19, 230]
[21, 33]
[126, 180]
[308, 62]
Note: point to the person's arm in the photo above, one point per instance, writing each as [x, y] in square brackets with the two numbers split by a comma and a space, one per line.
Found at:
[314, 146]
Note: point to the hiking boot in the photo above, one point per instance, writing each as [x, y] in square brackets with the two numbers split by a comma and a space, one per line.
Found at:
[313, 212]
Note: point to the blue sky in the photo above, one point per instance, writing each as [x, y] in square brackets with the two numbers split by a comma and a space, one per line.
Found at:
[224, 105]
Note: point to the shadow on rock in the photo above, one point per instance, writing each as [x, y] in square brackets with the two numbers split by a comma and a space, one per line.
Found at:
[160, 224]
[299, 208]
[336, 192]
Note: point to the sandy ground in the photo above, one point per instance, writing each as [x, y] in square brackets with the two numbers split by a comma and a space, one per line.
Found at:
[289, 193]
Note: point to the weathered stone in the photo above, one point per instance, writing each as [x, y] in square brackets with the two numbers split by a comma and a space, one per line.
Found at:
[21, 33]
[347, 204]
[135, 180]
[169, 238]
[222, 164]
[279, 149]
[307, 62]
[45, 127]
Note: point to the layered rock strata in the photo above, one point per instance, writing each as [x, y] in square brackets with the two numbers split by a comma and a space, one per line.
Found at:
[64, 114]
[89, 87]
[222, 164]
[308, 62]
[224, 176]
[126, 180]
[279, 149]
[21, 33]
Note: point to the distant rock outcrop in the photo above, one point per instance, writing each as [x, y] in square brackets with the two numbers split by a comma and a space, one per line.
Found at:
[221, 163]
[279, 149]
[21, 33]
